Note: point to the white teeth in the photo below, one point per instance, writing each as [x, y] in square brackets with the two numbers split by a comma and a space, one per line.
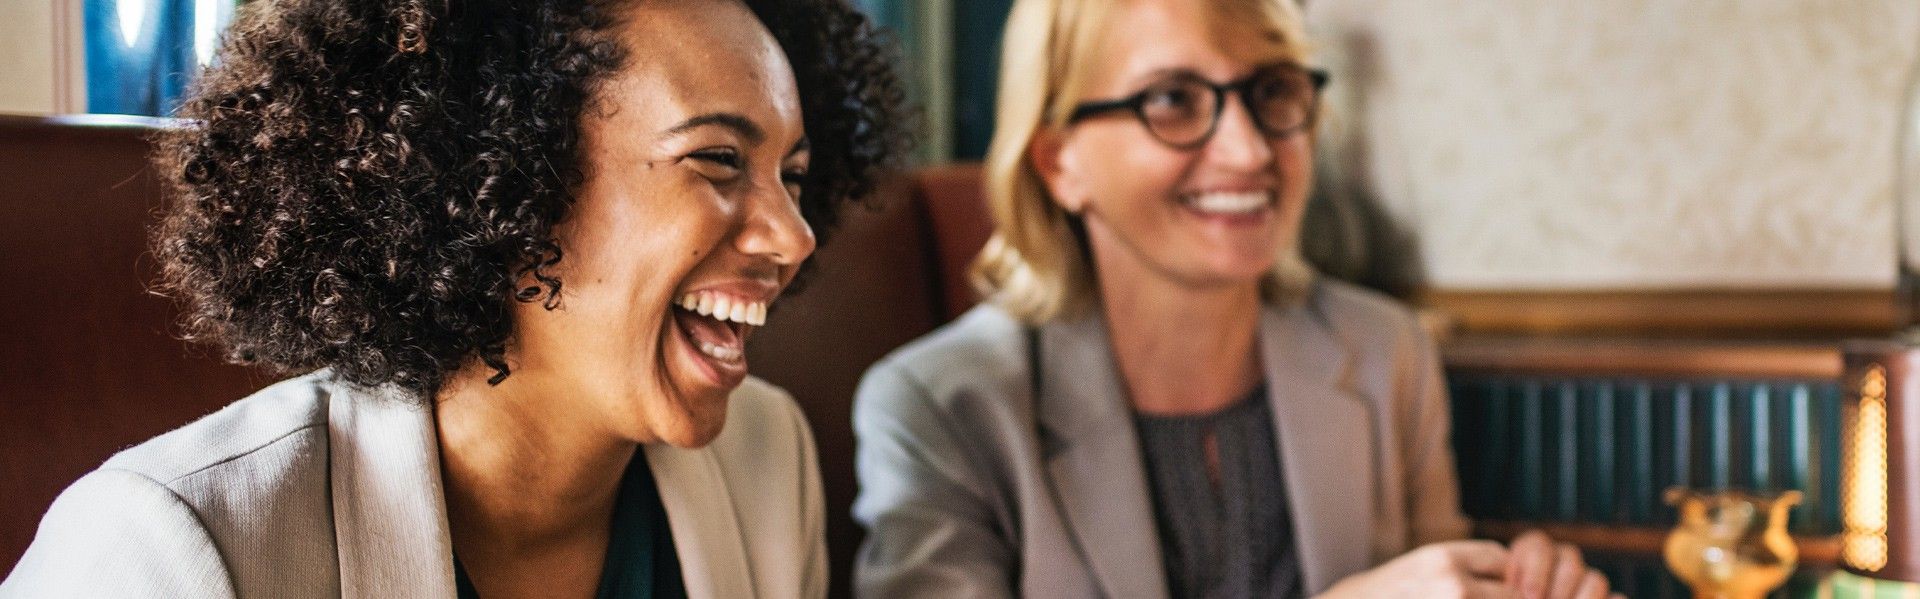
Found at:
[1231, 203]
[724, 308]
[724, 354]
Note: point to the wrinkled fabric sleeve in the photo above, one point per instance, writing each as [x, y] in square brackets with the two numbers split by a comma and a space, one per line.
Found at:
[931, 530]
[116, 533]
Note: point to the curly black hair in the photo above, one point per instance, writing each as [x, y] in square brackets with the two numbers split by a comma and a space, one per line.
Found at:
[365, 185]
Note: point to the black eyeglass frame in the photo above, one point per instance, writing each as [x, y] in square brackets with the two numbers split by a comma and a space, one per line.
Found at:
[1134, 102]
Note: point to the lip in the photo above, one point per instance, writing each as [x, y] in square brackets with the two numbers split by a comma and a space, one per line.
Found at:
[723, 374]
[750, 289]
[1246, 219]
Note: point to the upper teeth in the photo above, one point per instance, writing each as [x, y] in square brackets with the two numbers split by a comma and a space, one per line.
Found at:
[725, 307]
[1231, 202]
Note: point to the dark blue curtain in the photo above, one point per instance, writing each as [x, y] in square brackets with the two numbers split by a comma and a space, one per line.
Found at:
[977, 25]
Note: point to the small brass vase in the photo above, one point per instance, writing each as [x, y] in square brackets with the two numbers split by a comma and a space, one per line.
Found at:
[1731, 545]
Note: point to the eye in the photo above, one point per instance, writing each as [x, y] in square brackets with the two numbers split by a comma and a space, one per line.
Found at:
[1177, 101]
[793, 178]
[1170, 97]
[717, 163]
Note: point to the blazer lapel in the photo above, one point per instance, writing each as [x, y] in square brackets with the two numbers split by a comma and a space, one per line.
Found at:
[1326, 443]
[389, 511]
[1093, 457]
[712, 552]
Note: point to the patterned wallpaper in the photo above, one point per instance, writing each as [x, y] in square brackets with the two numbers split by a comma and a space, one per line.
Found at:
[1623, 143]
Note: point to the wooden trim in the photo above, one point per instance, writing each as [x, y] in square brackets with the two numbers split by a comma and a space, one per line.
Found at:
[1723, 312]
[1642, 358]
[1637, 540]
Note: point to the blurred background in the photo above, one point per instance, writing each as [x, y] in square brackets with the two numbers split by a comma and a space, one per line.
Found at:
[1659, 241]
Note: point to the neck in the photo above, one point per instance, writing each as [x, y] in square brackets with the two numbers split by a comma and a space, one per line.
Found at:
[521, 474]
[1181, 350]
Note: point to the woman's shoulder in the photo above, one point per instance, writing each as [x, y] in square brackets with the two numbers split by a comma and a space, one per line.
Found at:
[984, 346]
[240, 435]
[238, 498]
[1364, 317]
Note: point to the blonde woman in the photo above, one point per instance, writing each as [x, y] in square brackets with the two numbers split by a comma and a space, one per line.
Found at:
[1159, 399]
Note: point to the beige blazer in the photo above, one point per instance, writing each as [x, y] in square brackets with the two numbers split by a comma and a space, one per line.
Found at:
[315, 488]
[972, 487]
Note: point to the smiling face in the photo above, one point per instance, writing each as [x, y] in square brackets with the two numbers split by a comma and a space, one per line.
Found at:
[683, 232]
[1215, 215]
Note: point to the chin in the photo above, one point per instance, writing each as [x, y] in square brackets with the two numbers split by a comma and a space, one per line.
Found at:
[695, 431]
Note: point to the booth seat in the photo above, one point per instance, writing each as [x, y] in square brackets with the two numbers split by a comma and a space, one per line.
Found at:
[90, 363]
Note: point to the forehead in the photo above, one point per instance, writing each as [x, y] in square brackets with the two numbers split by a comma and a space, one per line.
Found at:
[687, 57]
[1149, 36]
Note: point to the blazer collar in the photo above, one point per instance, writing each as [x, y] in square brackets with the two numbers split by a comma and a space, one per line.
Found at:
[700, 512]
[1326, 442]
[390, 515]
[389, 510]
[1094, 458]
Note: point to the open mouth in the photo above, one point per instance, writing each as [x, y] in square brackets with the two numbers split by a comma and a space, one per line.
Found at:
[717, 323]
[1229, 203]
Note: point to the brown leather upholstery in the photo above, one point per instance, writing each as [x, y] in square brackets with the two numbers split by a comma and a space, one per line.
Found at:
[89, 365]
[87, 361]
[888, 275]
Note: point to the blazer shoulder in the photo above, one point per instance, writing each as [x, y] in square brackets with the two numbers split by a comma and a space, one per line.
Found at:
[1366, 318]
[121, 534]
[983, 349]
[286, 412]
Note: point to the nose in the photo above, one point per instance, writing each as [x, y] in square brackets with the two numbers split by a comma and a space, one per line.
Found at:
[773, 227]
[1238, 143]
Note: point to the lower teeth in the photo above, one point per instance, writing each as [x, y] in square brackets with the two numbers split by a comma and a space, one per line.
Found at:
[722, 353]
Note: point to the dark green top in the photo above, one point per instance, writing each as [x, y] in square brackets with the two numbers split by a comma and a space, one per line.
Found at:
[641, 562]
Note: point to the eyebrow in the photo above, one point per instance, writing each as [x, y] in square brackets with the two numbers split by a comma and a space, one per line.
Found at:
[739, 124]
[1164, 73]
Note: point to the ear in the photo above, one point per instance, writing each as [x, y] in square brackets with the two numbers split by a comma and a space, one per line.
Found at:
[1051, 158]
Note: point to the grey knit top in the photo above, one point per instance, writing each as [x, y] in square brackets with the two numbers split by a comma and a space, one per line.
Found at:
[1223, 534]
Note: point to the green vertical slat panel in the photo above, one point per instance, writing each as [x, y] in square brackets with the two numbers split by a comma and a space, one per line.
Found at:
[1800, 457]
[1720, 436]
[1683, 442]
[1760, 434]
[1829, 443]
[1497, 460]
[1641, 490]
[1567, 459]
[1532, 468]
[1600, 473]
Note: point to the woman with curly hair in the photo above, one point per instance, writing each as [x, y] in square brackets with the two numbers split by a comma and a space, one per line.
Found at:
[513, 249]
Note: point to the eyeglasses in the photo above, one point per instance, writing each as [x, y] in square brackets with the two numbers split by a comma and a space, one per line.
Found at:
[1183, 110]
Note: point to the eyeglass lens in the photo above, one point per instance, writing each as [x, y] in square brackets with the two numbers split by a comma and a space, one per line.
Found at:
[1182, 111]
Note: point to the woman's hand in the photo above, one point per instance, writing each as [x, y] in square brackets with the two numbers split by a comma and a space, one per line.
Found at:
[1452, 569]
[1539, 568]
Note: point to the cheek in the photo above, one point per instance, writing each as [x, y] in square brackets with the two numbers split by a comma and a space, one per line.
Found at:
[1129, 172]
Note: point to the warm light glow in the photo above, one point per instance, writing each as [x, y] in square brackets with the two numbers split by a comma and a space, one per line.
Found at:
[206, 28]
[1864, 477]
[133, 16]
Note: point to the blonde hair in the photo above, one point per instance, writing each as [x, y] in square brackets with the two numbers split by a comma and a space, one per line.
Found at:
[1035, 265]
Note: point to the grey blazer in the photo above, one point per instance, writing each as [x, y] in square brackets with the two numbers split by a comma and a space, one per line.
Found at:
[316, 488]
[972, 487]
